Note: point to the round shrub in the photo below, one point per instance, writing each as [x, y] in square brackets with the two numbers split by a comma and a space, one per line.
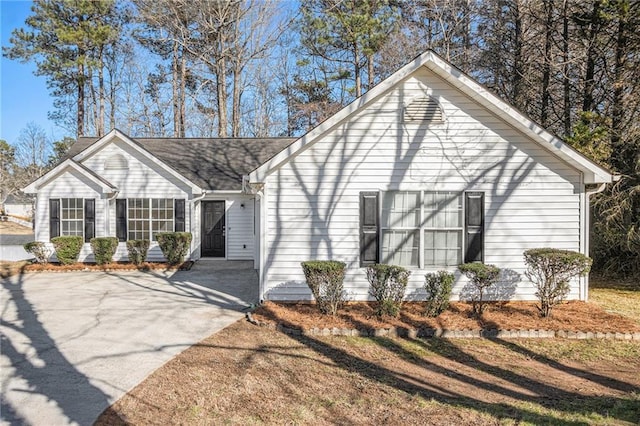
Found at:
[325, 279]
[137, 251]
[438, 286]
[174, 245]
[103, 249]
[39, 250]
[387, 284]
[550, 270]
[67, 248]
[481, 277]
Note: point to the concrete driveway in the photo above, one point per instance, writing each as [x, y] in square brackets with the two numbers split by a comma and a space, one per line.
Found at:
[73, 343]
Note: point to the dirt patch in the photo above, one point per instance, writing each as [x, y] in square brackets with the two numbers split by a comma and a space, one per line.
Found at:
[569, 316]
[12, 228]
[254, 375]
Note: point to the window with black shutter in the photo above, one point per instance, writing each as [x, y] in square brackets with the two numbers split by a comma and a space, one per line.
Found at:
[121, 219]
[89, 219]
[474, 227]
[179, 212]
[369, 229]
[54, 217]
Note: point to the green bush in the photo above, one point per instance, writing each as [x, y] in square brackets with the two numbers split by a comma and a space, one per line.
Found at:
[550, 270]
[174, 245]
[325, 279]
[438, 286]
[387, 284]
[67, 248]
[103, 249]
[481, 277]
[39, 250]
[137, 250]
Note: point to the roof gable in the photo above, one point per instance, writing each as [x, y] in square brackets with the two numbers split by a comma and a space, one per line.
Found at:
[34, 186]
[593, 173]
[216, 164]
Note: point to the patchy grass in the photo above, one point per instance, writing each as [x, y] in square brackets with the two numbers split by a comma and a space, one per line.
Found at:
[8, 269]
[617, 297]
[254, 375]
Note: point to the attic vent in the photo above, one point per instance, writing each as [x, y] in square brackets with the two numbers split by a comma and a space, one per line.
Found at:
[116, 161]
[423, 110]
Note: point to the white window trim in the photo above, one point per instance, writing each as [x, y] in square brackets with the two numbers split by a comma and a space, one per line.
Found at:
[62, 221]
[422, 227]
[150, 219]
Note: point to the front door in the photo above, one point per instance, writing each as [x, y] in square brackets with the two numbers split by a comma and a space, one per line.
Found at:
[213, 229]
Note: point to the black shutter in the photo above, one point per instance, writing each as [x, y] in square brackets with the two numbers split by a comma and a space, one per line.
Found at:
[89, 219]
[368, 228]
[54, 217]
[179, 213]
[121, 219]
[474, 227]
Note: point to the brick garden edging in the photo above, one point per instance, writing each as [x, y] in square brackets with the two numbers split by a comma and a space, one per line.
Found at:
[413, 333]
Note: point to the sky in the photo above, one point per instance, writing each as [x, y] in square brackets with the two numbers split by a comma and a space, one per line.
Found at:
[24, 97]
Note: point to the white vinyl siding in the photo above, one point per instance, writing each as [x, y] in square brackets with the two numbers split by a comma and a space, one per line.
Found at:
[69, 184]
[532, 199]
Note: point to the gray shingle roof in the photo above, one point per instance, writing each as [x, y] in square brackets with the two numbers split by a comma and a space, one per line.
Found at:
[213, 164]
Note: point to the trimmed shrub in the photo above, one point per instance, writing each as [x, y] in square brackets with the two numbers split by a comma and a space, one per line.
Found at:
[387, 284]
[438, 286]
[39, 250]
[103, 249]
[550, 270]
[325, 279]
[481, 277]
[174, 245]
[67, 248]
[137, 251]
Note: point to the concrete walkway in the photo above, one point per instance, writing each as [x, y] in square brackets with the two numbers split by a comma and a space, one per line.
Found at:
[74, 343]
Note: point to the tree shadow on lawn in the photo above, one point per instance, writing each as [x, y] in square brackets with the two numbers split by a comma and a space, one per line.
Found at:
[476, 377]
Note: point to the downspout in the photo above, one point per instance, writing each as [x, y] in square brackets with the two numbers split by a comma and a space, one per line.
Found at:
[108, 210]
[589, 191]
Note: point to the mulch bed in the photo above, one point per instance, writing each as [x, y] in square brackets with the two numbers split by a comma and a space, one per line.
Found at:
[569, 316]
[113, 266]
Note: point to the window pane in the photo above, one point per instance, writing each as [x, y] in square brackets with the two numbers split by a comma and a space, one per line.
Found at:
[400, 247]
[442, 248]
[400, 209]
[443, 209]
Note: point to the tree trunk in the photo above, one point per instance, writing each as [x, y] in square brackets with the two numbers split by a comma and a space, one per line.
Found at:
[566, 82]
[546, 67]
[589, 82]
[518, 72]
[183, 96]
[80, 101]
[221, 92]
[101, 94]
[174, 90]
[618, 154]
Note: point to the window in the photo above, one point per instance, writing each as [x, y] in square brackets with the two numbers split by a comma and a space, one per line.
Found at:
[442, 228]
[400, 228]
[426, 228]
[148, 216]
[161, 216]
[138, 218]
[71, 216]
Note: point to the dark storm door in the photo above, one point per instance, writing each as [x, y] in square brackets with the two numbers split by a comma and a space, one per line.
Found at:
[213, 228]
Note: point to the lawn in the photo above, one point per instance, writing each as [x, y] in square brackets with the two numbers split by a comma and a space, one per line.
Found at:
[255, 375]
